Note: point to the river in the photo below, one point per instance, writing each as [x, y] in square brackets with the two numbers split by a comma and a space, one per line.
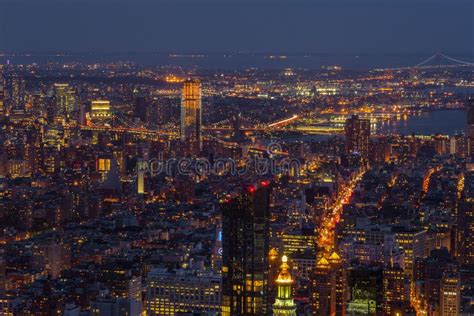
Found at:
[446, 122]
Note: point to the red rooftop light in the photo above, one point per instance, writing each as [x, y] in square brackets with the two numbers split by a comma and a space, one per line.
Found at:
[251, 189]
[264, 183]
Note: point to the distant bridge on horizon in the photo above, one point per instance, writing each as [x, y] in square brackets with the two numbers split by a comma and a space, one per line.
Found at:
[438, 60]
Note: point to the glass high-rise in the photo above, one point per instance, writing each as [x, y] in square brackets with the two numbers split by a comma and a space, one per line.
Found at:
[245, 244]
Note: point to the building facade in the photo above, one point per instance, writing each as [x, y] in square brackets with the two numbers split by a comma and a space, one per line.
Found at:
[181, 291]
[245, 244]
[357, 133]
[191, 114]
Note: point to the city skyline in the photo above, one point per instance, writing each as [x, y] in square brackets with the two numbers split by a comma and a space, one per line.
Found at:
[243, 183]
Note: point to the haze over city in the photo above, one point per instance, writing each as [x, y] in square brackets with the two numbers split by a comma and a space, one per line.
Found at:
[279, 26]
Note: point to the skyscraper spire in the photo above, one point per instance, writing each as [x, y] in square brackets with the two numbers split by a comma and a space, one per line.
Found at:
[284, 304]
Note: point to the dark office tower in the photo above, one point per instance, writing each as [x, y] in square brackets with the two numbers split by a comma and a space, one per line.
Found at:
[245, 244]
[191, 114]
[140, 106]
[357, 136]
[470, 127]
[465, 222]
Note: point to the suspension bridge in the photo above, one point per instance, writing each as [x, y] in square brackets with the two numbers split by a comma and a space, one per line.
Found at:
[436, 61]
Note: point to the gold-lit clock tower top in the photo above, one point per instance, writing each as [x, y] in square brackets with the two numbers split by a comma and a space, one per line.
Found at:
[284, 304]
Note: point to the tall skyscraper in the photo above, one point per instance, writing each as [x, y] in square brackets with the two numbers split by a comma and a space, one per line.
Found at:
[141, 182]
[470, 127]
[284, 304]
[357, 136]
[140, 106]
[465, 222]
[191, 114]
[329, 286]
[16, 89]
[245, 244]
[64, 100]
[3, 109]
[217, 250]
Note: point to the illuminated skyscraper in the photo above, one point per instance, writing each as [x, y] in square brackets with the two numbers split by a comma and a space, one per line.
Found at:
[217, 250]
[64, 99]
[3, 109]
[470, 127]
[321, 296]
[339, 284]
[141, 182]
[329, 286]
[141, 169]
[357, 136]
[284, 304]
[245, 244]
[465, 220]
[191, 114]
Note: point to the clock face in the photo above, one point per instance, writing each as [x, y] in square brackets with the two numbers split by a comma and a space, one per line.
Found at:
[219, 251]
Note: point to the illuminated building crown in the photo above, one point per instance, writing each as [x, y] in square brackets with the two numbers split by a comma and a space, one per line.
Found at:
[284, 304]
[284, 277]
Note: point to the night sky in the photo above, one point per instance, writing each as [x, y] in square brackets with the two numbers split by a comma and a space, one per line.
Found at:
[313, 26]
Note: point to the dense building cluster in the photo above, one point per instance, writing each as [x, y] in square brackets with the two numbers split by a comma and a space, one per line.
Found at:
[127, 190]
